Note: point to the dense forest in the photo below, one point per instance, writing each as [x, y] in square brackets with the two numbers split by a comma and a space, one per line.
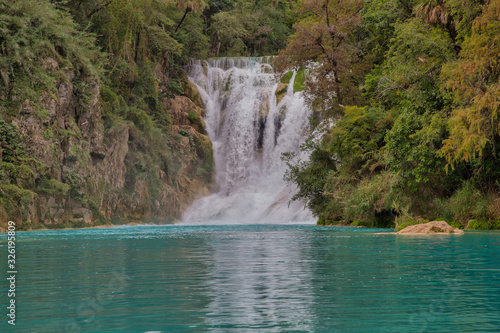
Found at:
[413, 89]
[406, 93]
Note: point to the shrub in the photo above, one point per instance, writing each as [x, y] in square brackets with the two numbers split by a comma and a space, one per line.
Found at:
[192, 116]
[141, 119]
[31, 32]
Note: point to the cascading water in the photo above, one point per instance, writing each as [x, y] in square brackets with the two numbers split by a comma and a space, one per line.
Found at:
[249, 131]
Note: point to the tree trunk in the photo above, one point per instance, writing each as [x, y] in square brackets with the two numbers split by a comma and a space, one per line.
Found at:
[188, 9]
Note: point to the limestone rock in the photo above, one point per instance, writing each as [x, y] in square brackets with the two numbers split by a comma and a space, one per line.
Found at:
[192, 92]
[433, 227]
[87, 165]
[185, 112]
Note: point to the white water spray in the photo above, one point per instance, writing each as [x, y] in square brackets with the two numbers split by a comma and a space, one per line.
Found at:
[249, 132]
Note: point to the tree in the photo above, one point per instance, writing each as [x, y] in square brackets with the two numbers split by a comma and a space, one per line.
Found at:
[473, 80]
[324, 42]
[189, 6]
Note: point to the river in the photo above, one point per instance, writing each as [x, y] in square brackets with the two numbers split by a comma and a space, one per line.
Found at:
[255, 278]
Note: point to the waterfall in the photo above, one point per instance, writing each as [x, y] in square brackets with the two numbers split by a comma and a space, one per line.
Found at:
[249, 131]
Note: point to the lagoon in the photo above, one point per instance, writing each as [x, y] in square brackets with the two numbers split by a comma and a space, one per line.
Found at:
[255, 278]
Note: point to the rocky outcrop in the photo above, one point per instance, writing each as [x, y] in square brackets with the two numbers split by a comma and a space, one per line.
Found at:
[433, 227]
[185, 112]
[89, 174]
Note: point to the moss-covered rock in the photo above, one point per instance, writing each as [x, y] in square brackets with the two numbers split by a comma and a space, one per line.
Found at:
[285, 79]
[298, 83]
[280, 92]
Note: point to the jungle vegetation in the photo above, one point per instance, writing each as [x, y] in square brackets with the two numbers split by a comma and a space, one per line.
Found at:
[410, 90]
[406, 91]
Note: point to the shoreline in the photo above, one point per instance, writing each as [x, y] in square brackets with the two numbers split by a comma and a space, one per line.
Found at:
[101, 226]
[132, 224]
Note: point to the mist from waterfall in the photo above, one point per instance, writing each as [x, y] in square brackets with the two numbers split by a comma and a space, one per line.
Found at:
[249, 131]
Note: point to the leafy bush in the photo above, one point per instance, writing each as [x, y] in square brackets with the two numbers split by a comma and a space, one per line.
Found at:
[192, 116]
[53, 187]
[30, 33]
[141, 119]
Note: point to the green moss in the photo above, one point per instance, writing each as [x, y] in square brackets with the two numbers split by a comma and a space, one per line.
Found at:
[66, 133]
[53, 187]
[185, 133]
[43, 114]
[286, 78]
[17, 172]
[18, 194]
[75, 183]
[298, 84]
[205, 155]
[227, 85]
[48, 134]
[141, 119]
[76, 224]
[49, 216]
[77, 215]
[280, 92]
[192, 116]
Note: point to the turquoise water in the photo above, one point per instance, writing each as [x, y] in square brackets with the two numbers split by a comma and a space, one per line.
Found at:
[254, 279]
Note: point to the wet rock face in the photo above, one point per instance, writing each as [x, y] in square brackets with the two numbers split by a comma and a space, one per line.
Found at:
[260, 132]
[433, 227]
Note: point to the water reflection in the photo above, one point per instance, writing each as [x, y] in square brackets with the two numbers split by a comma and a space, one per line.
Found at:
[261, 281]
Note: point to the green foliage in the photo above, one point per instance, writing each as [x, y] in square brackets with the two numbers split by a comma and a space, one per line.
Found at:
[321, 221]
[370, 200]
[140, 119]
[379, 17]
[75, 183]
[53, 187]
[285, 79]
[192, 116]
[454, 224]
[310, 175]
[185, 133]
[204, 151]
[473, 82]
[249, 28]
[11, 142]
[483, 225]
[357, 137]
[30, 34]
[421, 109]
[298, 83]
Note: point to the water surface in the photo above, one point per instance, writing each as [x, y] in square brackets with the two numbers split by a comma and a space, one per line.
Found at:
[257, 278]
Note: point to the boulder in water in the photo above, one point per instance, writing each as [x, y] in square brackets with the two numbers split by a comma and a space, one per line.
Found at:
[433, 227]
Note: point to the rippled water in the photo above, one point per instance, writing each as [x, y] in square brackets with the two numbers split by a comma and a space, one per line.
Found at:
[260, 278]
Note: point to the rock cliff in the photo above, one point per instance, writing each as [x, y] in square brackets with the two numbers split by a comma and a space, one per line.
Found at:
[89, 168]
